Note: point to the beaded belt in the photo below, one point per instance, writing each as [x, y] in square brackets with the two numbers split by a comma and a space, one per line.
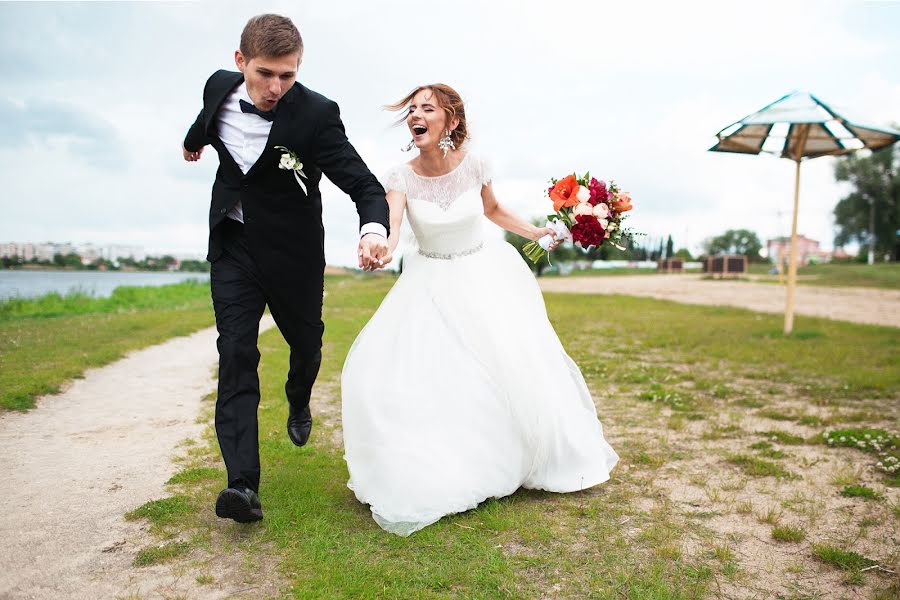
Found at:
[451, 255]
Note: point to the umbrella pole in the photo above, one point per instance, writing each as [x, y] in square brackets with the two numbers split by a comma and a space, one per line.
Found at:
[792, 260]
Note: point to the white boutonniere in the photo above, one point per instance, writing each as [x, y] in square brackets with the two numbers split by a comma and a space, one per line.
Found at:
[290, 162]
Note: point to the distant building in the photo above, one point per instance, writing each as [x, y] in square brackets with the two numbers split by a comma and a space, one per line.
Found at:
[808, 250]
[116, 252]
[89, 253]
[45, 252]
[24, 251]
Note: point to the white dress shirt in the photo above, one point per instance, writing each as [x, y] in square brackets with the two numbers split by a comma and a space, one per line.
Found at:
[245, 136]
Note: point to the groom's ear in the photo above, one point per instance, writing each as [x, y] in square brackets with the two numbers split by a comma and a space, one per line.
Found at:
[239, 60]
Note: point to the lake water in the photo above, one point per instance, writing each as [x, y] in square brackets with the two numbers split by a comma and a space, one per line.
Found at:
[29, 284]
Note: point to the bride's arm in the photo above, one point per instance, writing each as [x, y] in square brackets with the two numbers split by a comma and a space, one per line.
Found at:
[505, 218]
[397, 204]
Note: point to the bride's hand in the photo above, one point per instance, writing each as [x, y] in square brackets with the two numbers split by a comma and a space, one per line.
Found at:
[542, 231]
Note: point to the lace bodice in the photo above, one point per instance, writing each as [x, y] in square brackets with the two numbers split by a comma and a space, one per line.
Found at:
[445, 212]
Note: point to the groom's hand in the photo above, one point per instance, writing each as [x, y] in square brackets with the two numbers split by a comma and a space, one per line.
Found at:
[191, 156]
[373, 252]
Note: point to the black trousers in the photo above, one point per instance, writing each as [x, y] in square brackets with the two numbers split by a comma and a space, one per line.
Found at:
[240, 293]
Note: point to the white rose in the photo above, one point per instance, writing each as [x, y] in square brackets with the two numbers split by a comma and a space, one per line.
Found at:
[287, 162]
[583, 209]
[583, 194]
[600, 211]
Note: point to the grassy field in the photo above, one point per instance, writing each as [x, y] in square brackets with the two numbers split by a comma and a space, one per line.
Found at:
[750, 468]
[47, 341]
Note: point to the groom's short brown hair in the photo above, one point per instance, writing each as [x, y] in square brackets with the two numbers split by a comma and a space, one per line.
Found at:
[270, 35]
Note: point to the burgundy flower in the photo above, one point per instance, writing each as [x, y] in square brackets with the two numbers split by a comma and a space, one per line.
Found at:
[599, 193]
[587, 231]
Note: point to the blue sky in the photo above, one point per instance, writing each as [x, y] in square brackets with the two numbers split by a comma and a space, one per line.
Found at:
[96, 98]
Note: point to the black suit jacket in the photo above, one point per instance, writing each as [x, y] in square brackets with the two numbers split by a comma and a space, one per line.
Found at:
[283, 226]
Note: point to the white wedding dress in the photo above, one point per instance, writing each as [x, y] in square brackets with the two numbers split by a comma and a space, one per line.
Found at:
[458, 389]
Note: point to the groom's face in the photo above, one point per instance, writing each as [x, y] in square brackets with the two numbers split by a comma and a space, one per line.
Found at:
[268, 77]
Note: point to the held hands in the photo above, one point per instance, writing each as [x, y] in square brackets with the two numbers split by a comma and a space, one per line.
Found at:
[191, 156]
[374, 252]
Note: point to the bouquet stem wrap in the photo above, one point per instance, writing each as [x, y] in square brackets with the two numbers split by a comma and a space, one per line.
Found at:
[535, 250]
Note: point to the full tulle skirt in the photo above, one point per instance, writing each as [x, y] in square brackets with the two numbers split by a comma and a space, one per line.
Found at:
[458, 390]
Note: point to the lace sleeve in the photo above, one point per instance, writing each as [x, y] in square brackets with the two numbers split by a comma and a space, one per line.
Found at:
[487, 172]
[394, 179]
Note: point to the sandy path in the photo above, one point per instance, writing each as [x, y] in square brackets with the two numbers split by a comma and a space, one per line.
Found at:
[73, 466]
[860, 305]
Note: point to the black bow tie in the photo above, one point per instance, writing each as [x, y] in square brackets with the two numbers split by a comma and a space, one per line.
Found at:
[268, 115]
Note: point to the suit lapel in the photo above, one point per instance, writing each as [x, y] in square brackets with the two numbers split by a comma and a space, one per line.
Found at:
[225, 86]
[219, 95]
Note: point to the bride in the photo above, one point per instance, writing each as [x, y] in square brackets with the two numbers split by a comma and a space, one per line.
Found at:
[458, 389]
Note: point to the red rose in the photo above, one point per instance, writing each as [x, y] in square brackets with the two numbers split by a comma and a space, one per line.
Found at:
[599, 193]
[587, 231]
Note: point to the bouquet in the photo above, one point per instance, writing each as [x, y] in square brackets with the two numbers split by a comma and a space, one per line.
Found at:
[588, 212]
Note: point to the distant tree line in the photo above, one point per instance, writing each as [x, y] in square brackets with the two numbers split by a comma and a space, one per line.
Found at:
[742, 242]
[73, 261]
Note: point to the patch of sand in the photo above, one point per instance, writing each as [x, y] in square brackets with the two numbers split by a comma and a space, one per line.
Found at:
[859, 305]
[80, 460]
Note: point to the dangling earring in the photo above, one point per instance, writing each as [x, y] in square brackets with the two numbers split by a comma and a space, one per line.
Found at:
[446, 143]
[409, 146]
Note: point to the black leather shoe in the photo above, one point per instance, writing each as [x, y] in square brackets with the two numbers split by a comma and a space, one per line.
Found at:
[299, 424]
[240, 504]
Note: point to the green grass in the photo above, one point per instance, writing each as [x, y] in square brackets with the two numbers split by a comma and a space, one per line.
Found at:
[860, 491]
[844, 559]
[159, 554]
[884, 445]
[879, 275]
[535, 543]
[830, 365]
[788, 533]
[198, 474]
[674, 399]
[48, 341]
[870, 440]
[775, 415]
[122, 299]
[758, 467]
[161, 512]
[330, 545]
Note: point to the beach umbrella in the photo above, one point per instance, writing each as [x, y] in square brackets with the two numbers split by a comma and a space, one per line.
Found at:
[799, 126]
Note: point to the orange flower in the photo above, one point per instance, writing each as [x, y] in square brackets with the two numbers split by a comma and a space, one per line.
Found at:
[621, 204]
[564, 192]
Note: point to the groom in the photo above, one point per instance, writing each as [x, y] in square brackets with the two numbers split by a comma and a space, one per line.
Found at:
[266, 234]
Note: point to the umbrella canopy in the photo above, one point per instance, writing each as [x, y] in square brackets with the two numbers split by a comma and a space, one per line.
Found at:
[799, 126]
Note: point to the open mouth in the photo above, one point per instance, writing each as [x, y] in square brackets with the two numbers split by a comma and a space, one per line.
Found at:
[419, 130]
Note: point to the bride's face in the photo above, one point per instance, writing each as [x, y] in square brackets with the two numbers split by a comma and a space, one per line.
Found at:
[426, 120]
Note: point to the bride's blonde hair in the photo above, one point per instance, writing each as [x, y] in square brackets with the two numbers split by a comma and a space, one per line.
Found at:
[448, 99]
